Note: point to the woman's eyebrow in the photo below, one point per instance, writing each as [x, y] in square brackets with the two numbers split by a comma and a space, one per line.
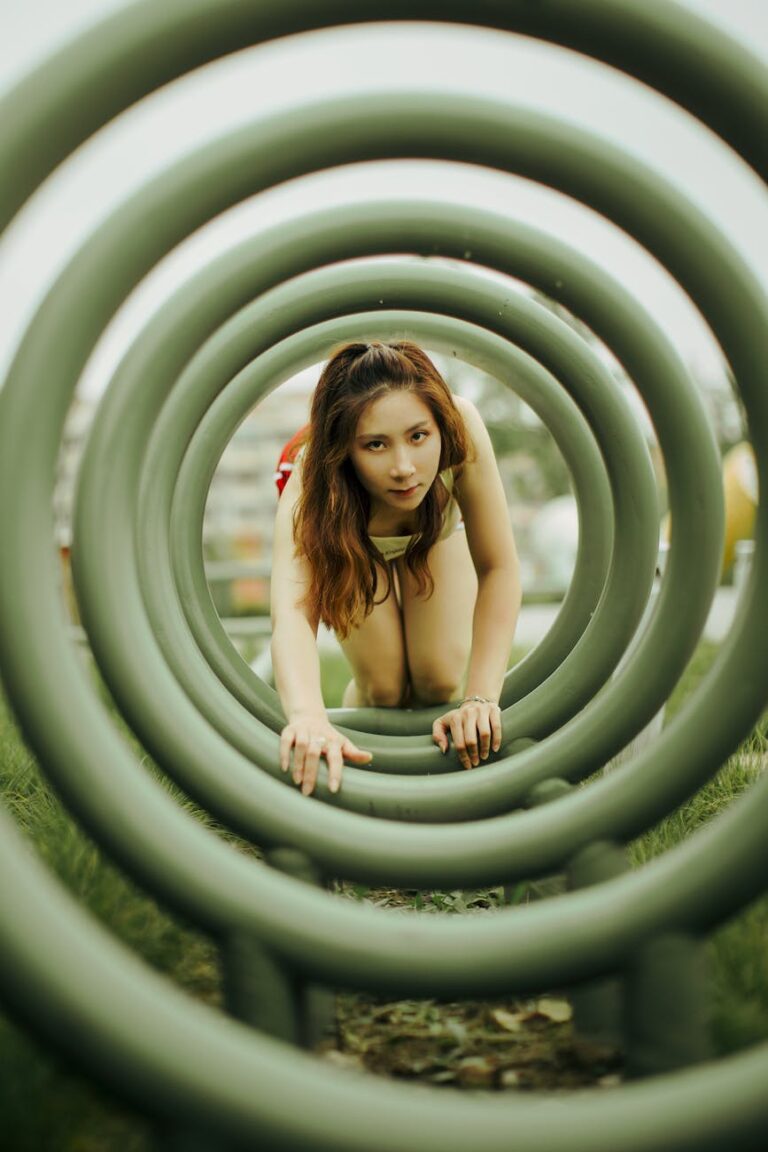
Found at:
[383, 435]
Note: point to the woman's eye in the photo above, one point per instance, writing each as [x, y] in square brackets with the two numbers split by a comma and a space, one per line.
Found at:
[419, 436]
[374, 445]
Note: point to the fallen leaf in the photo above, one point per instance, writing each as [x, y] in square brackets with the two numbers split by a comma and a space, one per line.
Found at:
[557, 1010]
[476, 1072]
[456, 1029]
[509, 1021]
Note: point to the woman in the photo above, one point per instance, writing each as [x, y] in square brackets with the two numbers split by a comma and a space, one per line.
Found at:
[393, 530]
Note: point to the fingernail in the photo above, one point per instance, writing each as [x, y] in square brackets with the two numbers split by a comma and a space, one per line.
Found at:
[334, 785]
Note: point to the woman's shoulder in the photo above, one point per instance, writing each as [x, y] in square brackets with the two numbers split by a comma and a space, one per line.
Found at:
[479, 439]
[480, 468]
[480, 450]
[470, 413]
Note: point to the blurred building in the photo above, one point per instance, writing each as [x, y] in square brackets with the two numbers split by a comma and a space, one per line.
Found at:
[241, 501]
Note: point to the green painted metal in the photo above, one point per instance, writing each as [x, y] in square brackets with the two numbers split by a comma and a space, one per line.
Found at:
[689, 576]
[614, 621]
[488, 240]
[315, 1002]
[668, 1005]
[675, 220]
[125, 1025]
[172, 1056]
[259, 989]
[114, 64]
[599, 1005]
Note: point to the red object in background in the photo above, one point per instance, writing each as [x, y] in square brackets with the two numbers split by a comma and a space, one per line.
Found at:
[287, 458]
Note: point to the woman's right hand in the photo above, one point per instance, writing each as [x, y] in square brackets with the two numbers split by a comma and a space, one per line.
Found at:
[309, 737]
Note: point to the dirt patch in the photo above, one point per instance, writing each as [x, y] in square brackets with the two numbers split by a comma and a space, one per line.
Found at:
[514, 1044]
[469, 1044]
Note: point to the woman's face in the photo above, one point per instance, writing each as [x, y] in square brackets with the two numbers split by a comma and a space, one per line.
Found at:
[395, 451]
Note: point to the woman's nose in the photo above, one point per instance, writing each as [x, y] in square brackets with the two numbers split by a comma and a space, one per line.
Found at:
[402, 465]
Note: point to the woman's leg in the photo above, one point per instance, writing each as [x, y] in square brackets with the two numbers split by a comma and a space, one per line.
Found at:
[438, 630]
[376, 651]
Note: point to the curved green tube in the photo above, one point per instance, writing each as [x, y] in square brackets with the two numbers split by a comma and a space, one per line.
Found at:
[117, 1020]
[740, 657]
[109, 441]
[464, 118]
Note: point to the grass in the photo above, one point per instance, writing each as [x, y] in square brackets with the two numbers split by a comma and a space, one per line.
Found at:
[44, 1108]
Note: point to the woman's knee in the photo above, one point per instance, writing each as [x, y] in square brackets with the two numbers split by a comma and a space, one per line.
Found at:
[437, 672]
[435, 685]
[381, 691]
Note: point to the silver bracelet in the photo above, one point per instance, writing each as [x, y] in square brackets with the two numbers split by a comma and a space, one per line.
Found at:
[476, 700]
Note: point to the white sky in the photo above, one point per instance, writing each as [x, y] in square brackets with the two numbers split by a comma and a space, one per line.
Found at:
[278, 75]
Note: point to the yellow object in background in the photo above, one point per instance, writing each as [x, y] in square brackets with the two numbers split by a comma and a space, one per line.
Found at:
[740, 487]
[740, 492]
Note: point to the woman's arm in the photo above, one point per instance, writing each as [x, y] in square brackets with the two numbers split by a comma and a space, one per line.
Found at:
[476, 725]
[297, 664]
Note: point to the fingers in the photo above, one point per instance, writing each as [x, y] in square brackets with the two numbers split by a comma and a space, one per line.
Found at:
[440, 734]
[286, 743]
[483, 735]
[307, 748]
[459, 738]
[315, 748]
[354, 754]
[335, 764]
[475, 731]
[306, 754]
[495, 718]
[471, 723]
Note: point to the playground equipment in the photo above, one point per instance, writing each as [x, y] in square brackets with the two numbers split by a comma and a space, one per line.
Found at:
[240, 330]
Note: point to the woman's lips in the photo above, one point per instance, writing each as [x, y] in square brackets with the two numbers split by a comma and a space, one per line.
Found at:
[404, 491]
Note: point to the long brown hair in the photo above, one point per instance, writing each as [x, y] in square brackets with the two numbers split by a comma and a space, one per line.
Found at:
[332, 512]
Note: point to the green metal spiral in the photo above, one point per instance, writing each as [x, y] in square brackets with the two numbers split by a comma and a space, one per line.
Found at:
[232, 329]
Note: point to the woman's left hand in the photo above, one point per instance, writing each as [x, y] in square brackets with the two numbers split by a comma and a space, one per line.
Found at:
[474, 727]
